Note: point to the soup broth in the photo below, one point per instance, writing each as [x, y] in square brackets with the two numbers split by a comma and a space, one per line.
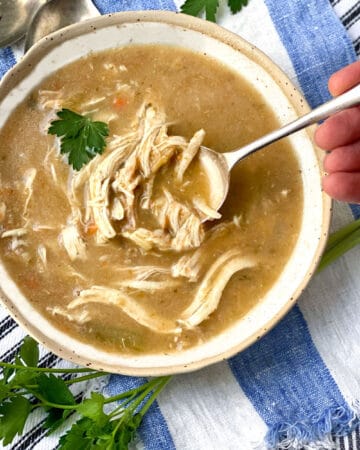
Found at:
[113, 293]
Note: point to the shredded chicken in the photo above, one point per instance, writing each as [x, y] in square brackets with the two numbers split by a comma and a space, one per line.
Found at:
[2, 211]
[29, 177]
[147, 239]
[144, 285]
[42, 253]
[50, 99]
[143, 272]
[190, 235]
[117, 210]
[18, 232]
[189, 154]
[211, 288]
[181, 222]
[73, 243]
[79, 317]
[192, 265]
[145, 199]
[107, 296]
[113, 187]
[205, 209]
[16, 244]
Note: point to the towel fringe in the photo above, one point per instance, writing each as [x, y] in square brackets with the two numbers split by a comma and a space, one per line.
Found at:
[314, 433]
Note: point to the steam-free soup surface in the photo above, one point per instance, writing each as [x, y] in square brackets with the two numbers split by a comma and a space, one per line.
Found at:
[114, 292]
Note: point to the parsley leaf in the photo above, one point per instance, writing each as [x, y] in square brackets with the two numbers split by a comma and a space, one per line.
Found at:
[81, 138]
[56, 417]
[236, 5]
[54, 390]
[195, 7]
[23, 377]
[29, 352]
[14, 413]
[93, 408]
[77, 436]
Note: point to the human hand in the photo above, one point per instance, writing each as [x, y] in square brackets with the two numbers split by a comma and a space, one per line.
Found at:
[340, 134]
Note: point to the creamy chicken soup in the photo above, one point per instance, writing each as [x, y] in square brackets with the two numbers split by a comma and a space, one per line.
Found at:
[126, 253]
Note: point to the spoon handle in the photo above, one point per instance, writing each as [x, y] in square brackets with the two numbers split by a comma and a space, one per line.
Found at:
[343, 101]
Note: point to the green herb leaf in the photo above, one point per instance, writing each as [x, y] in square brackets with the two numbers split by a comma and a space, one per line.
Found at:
[4, 391]
[14, 413]
[81, 138]
[56, 417]
[29, 352]
[23, 377]
[127, 432]
[76, 437]
[54, 390]
[7, 373]
[195, 7]
[93, 408]
[236, 5]
[86, 434]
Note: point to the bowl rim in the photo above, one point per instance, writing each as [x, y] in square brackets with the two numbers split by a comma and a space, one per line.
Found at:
[46, 44]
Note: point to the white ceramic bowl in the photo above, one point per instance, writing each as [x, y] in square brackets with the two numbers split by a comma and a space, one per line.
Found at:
[122, 29]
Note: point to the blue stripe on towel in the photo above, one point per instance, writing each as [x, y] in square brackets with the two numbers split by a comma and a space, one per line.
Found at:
[7, 60]
[286, 380]
[355, 209]
[110, 6]
[153, 431]
[314, 58]
[283, 375]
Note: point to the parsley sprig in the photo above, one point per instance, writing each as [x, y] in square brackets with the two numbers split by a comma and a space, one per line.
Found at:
[195, 7]
[25, 387]
[80, 137]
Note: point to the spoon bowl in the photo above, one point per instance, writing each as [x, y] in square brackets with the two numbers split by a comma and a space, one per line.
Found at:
[56, 14]
[15, 16]
[219, 165]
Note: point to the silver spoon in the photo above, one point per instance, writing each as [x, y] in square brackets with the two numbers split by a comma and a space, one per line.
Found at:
[56, 14]
[15, 16]
[218, 165]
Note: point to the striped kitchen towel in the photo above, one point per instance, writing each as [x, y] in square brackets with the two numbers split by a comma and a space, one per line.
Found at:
[299, 386]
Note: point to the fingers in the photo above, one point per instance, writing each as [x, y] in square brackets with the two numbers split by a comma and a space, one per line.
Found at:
[344, 159]
[339, 130]
[345, 79]
[341, 135]
[343, 186]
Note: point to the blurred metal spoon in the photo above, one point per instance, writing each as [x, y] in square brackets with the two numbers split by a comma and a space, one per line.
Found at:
[219, 165]
[56, 14]
[15, 16]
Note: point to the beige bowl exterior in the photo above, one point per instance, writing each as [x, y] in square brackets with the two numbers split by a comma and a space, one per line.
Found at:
[179, 30]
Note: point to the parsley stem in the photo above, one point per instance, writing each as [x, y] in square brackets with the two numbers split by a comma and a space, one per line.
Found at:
[336, 237]
[338, 247]
[45, 369]
[86, 377]
[140, 398]
[46, 403]
[163, 382]
[129, 393]
[120, 409]
[158, 386]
